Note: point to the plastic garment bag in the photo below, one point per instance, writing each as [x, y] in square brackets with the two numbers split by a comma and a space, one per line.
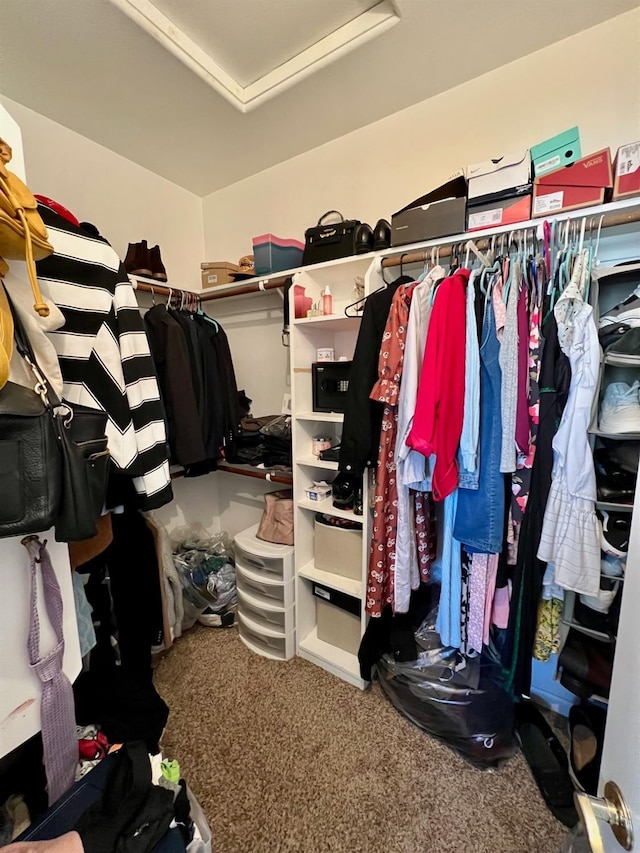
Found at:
[458, 700]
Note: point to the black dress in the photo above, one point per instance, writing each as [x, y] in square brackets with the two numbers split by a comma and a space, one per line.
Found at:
[555, 378]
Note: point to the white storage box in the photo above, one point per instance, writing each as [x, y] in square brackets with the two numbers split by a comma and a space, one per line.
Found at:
[274, 561]
[269, 644]
[264, 589]
[338, 550]
[499, 175]
[338, 618]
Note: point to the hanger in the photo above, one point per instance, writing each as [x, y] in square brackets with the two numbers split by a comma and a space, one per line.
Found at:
[358, 304]
[153, 295]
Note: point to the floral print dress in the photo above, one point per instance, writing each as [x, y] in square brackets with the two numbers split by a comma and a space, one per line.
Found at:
[382, 555]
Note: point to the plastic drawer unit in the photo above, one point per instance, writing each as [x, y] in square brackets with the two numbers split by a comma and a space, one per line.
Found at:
[266, 597]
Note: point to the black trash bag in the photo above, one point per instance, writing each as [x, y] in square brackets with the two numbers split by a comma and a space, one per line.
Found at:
[459, 701]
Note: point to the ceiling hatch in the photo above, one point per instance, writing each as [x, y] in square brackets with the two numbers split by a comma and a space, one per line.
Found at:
[252, 50]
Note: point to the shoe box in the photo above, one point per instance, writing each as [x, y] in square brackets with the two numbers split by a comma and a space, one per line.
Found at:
[338, 618]
[338, 549]
[266, 597]
[499, 191]
[587, 182]
[439, 213]
[627, 171]
[556, 152]
[275, 254]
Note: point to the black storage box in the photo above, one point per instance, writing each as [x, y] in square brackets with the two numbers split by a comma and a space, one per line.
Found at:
[330, 383]
[439, 213]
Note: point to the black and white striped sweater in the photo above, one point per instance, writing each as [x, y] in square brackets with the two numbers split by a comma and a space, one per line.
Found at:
[104, 352]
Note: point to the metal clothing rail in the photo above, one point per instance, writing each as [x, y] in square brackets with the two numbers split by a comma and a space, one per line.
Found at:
[221, 292]
[449, 245]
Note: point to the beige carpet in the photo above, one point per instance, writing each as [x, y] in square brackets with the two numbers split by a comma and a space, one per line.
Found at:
[286, 757]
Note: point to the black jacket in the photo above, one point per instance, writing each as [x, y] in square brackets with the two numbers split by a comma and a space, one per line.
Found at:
[363, 416]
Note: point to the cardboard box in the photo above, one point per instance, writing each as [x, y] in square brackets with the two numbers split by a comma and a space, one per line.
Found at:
[561, 150]
[583, 184]
[217, 272]
[500, 209]
[499, 175]
[439, 213]
[627, 171]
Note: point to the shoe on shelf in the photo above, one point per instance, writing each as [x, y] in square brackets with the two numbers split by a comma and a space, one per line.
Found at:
[615, 491]
[138, 260]
[627, 311]
[157, 267]
[616, 528]
[363, 239]
[344, 491]
[612, 567]
[627, 455]
[381, 235]
[585, 665]
[612, 333]
[620, 408]
[608, 466]
[547, 761]
[625, 351]
[586, 726]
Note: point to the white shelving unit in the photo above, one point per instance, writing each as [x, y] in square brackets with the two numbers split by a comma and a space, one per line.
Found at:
[307, 335]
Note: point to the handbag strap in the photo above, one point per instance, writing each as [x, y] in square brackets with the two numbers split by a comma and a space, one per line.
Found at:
[330, 213]
[40, 305]
[23, 345]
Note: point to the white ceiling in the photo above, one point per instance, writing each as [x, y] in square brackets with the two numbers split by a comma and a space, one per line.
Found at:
[88, 66]
[249, 39]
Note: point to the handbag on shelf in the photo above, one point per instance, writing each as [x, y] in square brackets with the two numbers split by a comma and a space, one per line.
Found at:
[276, 524]
[23, 235]
[331, 241]
[53, 458]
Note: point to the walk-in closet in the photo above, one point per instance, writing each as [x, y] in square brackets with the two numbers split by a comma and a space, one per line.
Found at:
[319, 426]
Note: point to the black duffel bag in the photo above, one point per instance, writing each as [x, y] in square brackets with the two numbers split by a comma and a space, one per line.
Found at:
[328, 242]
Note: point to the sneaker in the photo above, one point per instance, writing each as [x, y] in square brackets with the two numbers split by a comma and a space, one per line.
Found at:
[586, 724]
[612, 567]
[627, 311]
[616, 527]
[620, 408]
[625, 351]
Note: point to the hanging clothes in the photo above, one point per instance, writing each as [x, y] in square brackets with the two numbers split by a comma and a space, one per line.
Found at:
[414, 553]
[382, 555]
[439, 413]
[479, 519]
[362, 415]
[555, 378]
[104, 352]
[570, 538]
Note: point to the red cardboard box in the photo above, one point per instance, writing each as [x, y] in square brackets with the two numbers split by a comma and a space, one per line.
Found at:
[583, 184]
[627, 171]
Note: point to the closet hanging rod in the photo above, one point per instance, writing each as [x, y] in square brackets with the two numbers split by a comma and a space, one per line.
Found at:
[448, 244]
[246, 471]
[222, 292]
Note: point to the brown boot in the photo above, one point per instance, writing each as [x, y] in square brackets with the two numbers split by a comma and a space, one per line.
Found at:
[157, 267]
[137, 260]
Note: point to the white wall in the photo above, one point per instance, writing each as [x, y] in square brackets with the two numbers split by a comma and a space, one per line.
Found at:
[590, 79]
[125, 201]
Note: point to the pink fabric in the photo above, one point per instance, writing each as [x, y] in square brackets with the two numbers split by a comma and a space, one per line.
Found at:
[522, 410]
[477, 595]
[501, 604]
[437, 423]
[490, 589]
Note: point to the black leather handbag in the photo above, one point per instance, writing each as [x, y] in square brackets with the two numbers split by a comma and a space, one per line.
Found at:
[57, 457]
[328, 242]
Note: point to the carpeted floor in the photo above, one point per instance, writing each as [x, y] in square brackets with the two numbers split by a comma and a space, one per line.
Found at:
[286, 757]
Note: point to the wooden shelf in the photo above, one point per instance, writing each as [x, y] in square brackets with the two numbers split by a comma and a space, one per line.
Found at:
[245, 471]
[331, 579]
[322, 417]
[343, 664]
[326, 506]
